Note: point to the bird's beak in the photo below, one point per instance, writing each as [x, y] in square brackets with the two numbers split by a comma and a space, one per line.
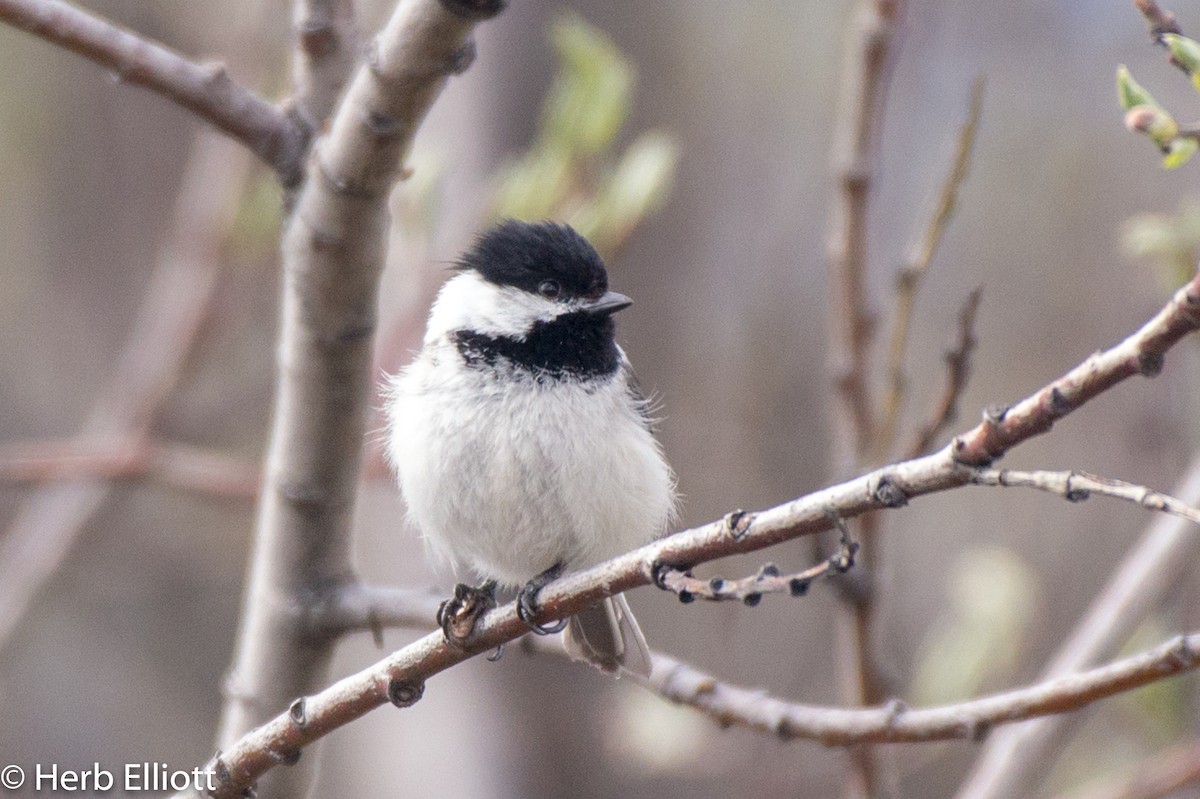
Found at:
[609, 303]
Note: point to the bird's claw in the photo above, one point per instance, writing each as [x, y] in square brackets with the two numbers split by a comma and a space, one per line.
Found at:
[527, 604]
[457, 616]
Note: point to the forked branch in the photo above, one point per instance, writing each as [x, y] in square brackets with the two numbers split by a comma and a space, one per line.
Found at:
[400, 678]
[204, 89]
[333, 254]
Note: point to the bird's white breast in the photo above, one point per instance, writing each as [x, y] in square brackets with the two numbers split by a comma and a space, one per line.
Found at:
[510, 475]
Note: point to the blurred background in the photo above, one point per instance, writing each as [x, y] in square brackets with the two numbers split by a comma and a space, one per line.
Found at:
[120, 651]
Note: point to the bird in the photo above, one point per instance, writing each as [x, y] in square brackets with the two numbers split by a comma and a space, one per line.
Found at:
[520, 438]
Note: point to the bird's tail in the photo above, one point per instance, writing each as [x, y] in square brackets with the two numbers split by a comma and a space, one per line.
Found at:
[607, 636]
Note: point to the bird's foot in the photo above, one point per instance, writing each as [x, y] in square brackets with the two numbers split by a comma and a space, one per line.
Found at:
[527, 605]
[457, 616]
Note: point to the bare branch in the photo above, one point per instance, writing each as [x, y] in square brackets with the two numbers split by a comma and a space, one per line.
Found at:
[1141, 353]
[327, 51]
[895, 723]
[400, 680]
[855, 148]
[958, 372]
[769, 580]
[372, 608]
[51, 518]
[911, 275]
[205, 90]
[1012, 758]
[865, 79]
[1077, 486]
[401, 677]
[179, 465]
[333, 256]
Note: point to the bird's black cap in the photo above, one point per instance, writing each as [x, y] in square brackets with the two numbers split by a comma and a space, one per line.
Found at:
[524, 254]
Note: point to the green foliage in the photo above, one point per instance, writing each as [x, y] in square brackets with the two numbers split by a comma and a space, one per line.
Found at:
[637, 186]
[978, 640]
[1130, 93]
[1171, 242]
[1179, 151]
[1186, 53]
[589, 100]
[1144, 115]
[572, 171]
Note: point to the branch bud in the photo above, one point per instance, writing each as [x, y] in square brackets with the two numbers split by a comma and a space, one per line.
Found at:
[1130, 93]
[1185, 53]
[1156, 123]
[1179, 151]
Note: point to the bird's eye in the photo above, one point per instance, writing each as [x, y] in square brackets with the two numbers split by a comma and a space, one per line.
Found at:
[549, 289]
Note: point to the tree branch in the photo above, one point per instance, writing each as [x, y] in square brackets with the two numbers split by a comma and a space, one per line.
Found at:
[180, 465]
[400, 678]
[1075, 486]
[333, 256]
[894, 723]
[958, 371]
[911, 275]
[326, 54]
[852, 417]
[750, 590]
[1160, 21]
[182, 284]
[1142, 353]
[205, 90]
[865, 79]
[374, 608]
[1013, 757]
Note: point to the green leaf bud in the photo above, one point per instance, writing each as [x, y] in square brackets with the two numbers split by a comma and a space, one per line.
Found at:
[1184, 51]
[1179, 151]
[1130, 93]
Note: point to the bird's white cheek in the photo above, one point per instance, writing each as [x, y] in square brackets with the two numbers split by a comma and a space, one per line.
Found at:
[468, 302]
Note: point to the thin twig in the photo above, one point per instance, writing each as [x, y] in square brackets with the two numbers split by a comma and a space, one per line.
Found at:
[865, 79]
[180, 289]
[1014, 757]
[958, 372]
[400, 678]
[171, 463]
[894, 723]
[750, 590]
[333, 253]
[911, 275]
[204, 89]
[1076, 486]
[1160, 21]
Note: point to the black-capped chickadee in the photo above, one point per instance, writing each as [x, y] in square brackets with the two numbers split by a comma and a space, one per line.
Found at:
[520, 439]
